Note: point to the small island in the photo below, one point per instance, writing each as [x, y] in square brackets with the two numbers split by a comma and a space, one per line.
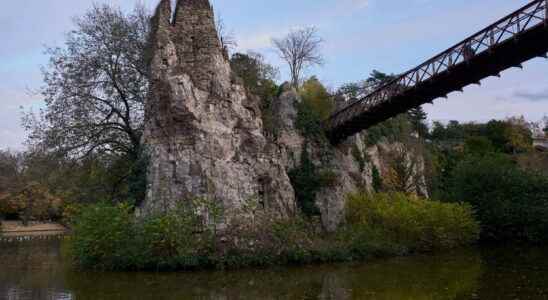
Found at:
[164, 158]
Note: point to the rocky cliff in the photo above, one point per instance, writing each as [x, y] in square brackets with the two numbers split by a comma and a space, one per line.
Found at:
[203, 132]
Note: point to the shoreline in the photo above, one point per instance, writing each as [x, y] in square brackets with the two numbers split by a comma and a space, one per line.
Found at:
[15, 229]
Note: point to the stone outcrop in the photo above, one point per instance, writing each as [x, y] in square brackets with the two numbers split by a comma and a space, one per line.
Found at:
[351, 162]
[203, 132]
[288, 140]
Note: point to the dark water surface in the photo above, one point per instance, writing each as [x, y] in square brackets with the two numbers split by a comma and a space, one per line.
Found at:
[37, 270]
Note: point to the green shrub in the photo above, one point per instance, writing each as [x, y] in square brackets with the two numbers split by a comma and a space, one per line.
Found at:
[309, 122]
[316, 96]
[104, 237]
[109, 237]
[414, 223]
[307, 182]
[511, 203]
[173, 239]
[376, 179]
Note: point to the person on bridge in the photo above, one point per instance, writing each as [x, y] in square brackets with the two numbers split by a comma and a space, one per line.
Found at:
[468, 52]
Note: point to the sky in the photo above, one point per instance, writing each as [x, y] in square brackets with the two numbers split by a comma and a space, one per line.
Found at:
[360, 36]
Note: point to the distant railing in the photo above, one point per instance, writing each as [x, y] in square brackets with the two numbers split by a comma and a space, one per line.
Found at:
[532, 15]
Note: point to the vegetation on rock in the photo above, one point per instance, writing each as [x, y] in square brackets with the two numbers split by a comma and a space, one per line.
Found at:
[307, 180]
[377, 225]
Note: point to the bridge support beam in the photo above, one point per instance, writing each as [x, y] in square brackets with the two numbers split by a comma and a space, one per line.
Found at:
[546, 12]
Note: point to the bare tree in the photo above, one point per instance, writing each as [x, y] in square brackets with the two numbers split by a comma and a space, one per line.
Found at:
[226, 36]
[405, 169]
[300, 49]
[95, 86]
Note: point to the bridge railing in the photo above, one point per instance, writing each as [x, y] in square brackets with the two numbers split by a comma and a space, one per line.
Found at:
[529, 16]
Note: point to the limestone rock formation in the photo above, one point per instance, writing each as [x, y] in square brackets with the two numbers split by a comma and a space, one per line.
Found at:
[203, 132]
[288, 139]
[351, 162]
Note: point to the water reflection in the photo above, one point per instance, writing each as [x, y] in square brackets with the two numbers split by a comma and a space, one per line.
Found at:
[37, 271]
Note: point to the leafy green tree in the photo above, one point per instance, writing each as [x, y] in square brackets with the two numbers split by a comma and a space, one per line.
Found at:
[438, 132]
[511, 204]
[478, 145]
[95, 86]
[308, 180]
[377, 78]
[259, 79]
[95, 91]
[353, 90]
[496, 132]
[309, 122]
[316, 96]
[519, 135]
[258, 76]
[362, 88]
[418, 117]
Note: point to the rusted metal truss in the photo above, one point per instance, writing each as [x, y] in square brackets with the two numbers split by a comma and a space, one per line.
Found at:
[508, 29]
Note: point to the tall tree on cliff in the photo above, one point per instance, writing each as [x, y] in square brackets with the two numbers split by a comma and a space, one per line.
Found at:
[300, 49]
[95, 88]
[418, 117]
[354, 90]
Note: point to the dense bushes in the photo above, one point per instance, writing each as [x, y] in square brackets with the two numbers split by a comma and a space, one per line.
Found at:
[307, 179]
[511, 203]
[104, 237]
[412, 223]
[494, 168]
[107, 236]
[32, 201]
[111, 237]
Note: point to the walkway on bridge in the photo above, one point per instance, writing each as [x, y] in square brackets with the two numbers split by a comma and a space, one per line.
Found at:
[507, 43]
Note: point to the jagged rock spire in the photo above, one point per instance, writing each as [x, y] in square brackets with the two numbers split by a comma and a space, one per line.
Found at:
[201, 4]
[162, 16]
[202, 129]
[190, 27]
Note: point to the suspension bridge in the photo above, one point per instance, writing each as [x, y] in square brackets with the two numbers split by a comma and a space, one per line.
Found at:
[507, 43]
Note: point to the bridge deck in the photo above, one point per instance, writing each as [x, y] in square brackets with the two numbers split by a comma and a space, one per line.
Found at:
[516, 38]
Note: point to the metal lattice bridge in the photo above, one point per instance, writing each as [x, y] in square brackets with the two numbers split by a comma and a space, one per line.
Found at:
[508, 43]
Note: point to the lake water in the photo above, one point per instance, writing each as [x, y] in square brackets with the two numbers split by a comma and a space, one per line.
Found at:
[37, 270]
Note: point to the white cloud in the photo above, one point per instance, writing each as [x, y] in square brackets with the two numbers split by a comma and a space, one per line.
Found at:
[360, 3]
[255, 41]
